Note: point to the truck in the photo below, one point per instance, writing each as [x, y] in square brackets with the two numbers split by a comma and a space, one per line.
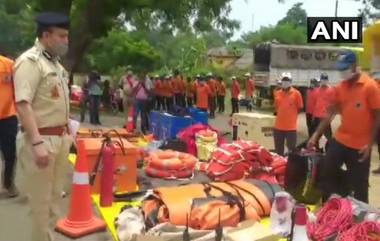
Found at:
[302, 62]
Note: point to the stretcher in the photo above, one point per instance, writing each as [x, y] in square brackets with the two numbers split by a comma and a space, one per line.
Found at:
[110, 213]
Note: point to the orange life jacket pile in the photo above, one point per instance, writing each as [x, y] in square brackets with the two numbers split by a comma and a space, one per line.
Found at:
[205, 206]
[243, 159]
[169, 164]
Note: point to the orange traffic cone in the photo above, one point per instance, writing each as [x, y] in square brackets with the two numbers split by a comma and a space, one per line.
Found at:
[130, 126]
[80, 220]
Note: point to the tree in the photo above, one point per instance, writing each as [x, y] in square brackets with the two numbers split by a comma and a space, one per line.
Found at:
[15, 16]
[119, 49]
[282, 33]
[370, 10]
[296, 16]
[93, 19]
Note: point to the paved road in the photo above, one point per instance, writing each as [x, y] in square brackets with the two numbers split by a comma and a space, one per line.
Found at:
[14, 218]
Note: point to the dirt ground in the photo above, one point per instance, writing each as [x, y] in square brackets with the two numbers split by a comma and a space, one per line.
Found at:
[14, 213]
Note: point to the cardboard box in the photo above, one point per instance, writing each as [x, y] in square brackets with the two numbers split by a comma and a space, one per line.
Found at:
[255, 127]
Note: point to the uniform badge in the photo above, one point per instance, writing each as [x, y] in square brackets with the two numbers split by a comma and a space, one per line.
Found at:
[55, 92]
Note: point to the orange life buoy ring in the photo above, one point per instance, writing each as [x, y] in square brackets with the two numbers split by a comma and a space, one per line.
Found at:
[169, 174]
[171, 160]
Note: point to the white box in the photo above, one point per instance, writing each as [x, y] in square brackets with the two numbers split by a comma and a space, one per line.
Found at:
[256, 127]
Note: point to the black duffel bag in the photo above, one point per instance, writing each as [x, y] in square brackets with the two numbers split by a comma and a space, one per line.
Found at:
[302, 175]
[175, 145]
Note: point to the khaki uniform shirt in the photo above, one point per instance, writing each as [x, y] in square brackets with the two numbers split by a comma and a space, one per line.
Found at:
[43, 82]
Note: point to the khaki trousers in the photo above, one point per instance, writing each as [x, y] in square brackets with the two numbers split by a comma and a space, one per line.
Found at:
[44, 186]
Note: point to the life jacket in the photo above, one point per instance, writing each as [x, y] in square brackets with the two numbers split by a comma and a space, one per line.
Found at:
[170, 164]
[204, 206]
[243, 159]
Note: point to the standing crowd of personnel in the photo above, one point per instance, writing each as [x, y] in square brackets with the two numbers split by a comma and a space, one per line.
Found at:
[163, 93]
[35, 92]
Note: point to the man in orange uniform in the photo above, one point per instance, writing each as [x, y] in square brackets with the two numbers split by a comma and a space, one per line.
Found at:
[324, 95]
[376, 77]
[158, 92]
[203, 94]
[310, 105]
[178, 88]
[167, 92]
[190, 92]
[249, 90]
[235, 92]
[212, 97]
[182, 91]
[221, 92]
[8, 125]
[357, 100]
[288, 103]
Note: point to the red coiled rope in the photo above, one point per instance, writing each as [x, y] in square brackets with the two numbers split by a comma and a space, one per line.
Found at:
[333, 218]
[365, 231]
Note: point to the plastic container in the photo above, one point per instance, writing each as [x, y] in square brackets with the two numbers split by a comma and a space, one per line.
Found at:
[125, 165]
[155, 117]
[170, 125]
[198, 116]
[99, 132]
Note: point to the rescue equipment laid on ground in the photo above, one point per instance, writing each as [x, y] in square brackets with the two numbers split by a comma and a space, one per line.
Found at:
[206, 142]
[199, 204]
[107, 179]
[187, 135]
[255, 126]
[102, 132]
[129, 223]
[364, 231]
[302, 175]
[199, 117]
[281, 214]
[336, 216]
[125, 164]
[169, 164]
[175, 144]
[245, 159]
[80, 220]
[171, 125]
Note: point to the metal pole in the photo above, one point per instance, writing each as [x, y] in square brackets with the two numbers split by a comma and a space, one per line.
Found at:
[336, 8]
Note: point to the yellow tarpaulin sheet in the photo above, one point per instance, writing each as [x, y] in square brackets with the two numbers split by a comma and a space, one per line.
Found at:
[109, 214]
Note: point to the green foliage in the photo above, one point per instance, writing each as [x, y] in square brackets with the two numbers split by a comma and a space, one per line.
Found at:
[283, 33]
[17, 28]
[370, 10]
[119, 49]
[296, 16]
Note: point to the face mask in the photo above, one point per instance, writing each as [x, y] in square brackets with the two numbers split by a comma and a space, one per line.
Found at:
[324, 82]
[286, 84]
[345, 74]
[60, 49]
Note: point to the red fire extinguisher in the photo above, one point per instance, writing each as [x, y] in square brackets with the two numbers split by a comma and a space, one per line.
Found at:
[107, 177]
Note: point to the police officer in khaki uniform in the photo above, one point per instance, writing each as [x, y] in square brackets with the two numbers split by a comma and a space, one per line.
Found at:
[42, 102]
